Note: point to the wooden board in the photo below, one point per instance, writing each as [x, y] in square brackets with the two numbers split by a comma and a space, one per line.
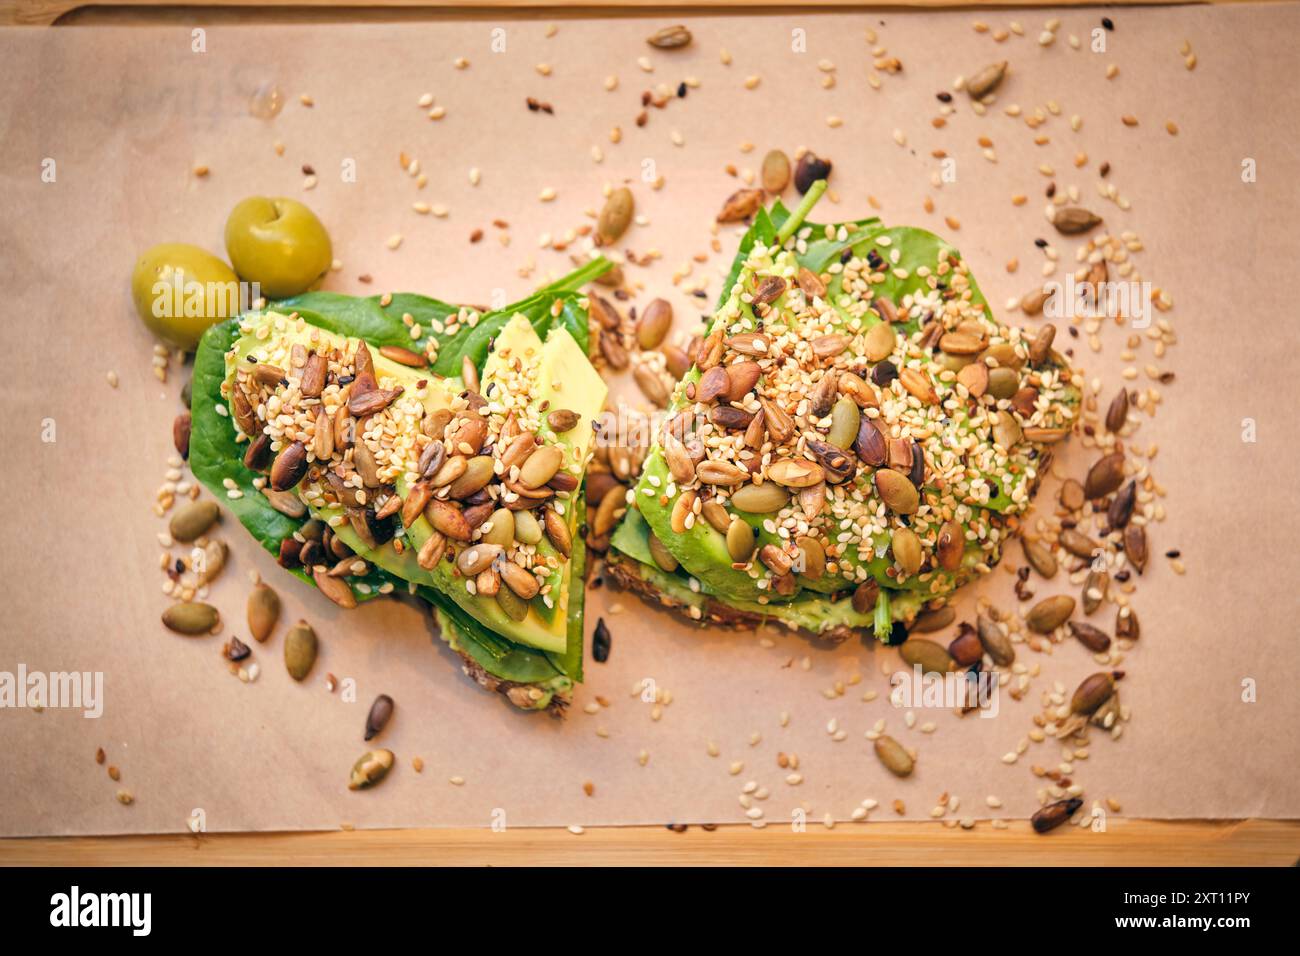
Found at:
[1126, 843]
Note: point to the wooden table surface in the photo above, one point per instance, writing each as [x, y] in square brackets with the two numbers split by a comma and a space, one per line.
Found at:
[1125, 843]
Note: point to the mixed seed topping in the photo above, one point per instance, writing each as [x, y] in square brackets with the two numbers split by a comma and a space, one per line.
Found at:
[869, 439]
[339, 433]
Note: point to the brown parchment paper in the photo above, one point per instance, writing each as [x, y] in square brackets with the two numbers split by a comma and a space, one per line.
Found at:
[127, 113]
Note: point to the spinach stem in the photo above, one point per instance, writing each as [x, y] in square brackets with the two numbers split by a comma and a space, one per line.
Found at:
[884, 621]
[801, 213]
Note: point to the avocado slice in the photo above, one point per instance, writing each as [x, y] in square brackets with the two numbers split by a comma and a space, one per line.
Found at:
[799, 275]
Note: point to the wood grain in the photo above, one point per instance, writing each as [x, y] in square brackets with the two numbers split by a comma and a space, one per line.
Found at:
[1126, 843]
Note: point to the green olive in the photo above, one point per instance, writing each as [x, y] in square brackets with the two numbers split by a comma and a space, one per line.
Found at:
[179, 290]
[279, 244]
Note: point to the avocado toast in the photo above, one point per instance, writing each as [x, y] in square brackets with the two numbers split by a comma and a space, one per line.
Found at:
[399, 442]
[854, 441]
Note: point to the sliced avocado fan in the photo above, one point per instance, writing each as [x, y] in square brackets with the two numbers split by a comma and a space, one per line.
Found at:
[854, 439]
[403, 443]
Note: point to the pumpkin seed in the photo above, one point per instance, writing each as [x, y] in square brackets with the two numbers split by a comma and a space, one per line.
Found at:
[932, 657]
[891, 753]
[795, 472]
[1077, 543]
[527, 528]
[191, 618]
[212, 561]
[1093, 638]
[662, 556]
[677, 360]
[716, 515]
[670, 38]
[557, 531]
[960, 343]
[1050, 613]
[777, 561]
[1135, 546]
[995, 643]
[1117, 413]
[845, 420]
[502, 532]
[935, 619]
[1054, 814]
[1094, 691]
[828, 346]
[720, 473]
[478, 557]
[1105, 476]
[906, 548]
[1003, 382]
[1006, 431]
[897, 492]
[986, 80]
[812, 500]
[447, 518]
[811, 284]
[300, 649]
[652, 327]
[431, 551]
[381, 711]
[741, 379]
[336, 589]
[813, 564]
[515, 607]
[950, 546]
[1074, 220]
[683, 506]
[1041, 347]
[775, 171]
[263, 611]
[652, 385]
[285, 502]
[879, 342]
[1039, 558]
[540, 467]
[917, 384]
[865, 596]
[370, 769]
[712, 384]
[615, 216]
[740, 205]
[193, 520]
[478, 472]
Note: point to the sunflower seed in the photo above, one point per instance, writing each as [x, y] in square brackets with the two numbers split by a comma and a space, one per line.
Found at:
[1135, 546]
[448, 519]
[1039, 558]
[336, 589]
[1073, 220]
[289, 467]
[777, 561]
[986, 80]
[740, 205]
[995, 643]
[1094, 639]
[381, 711]
[1054, 814]
[950, 546]
[865, 596]
[870, 444]
[720, 473]
[557, 531]
[1095, 588]
[431, 551]
[670, 38]
[1094, 691]
[661, 555]
[795, 472]
[1077, 543]
[1127, 627]
[1117, 413]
